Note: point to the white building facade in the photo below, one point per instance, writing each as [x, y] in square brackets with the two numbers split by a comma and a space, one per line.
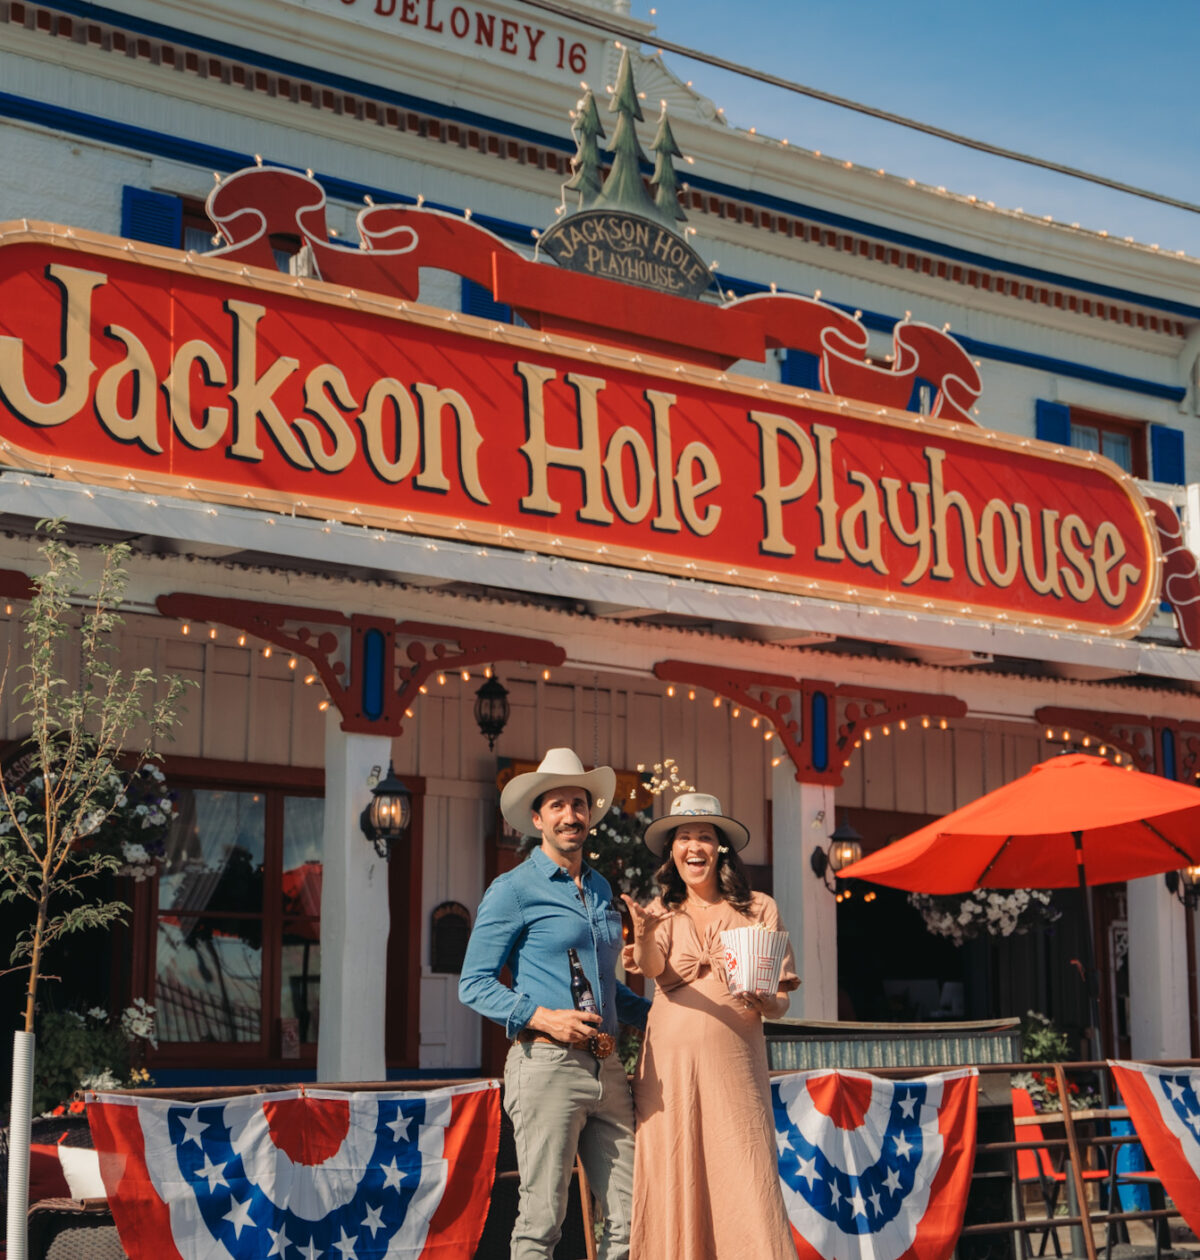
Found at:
[114, 121]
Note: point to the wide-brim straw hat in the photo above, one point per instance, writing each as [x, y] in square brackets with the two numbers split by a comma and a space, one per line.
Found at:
[560, 767]
[694, 807]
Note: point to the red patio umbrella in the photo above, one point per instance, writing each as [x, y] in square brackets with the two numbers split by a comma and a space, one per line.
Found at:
[1072, 820]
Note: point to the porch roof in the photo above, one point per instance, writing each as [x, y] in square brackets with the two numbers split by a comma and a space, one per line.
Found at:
[251, 537]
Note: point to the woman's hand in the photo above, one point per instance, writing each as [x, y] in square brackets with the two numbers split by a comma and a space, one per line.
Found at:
[761, 1003]
[644, 921]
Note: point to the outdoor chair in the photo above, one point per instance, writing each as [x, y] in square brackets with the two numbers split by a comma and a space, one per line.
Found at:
[73, 1229]
[1035, 1166]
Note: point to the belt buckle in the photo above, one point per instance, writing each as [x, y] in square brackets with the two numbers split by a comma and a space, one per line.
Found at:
[602, 1045]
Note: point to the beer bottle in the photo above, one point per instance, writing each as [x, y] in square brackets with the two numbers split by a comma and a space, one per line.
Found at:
[581, 990]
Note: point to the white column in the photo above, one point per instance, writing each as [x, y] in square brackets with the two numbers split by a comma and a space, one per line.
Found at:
[354, 914]
[802, 818]
[1158, 972]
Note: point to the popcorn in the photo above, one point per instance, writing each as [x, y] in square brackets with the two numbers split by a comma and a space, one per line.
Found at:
[754, 958]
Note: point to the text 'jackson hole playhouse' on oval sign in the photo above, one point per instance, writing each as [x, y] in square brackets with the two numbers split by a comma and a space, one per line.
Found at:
[203, 378]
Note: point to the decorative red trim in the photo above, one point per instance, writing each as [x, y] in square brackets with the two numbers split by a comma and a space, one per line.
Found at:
[1139, 739]
[862, 709]
[16, 585]
[784, 701]
[335, 644]
[402, 1016]
[210, 770]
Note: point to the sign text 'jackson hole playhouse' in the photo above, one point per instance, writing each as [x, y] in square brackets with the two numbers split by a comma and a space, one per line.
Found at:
[218, 382]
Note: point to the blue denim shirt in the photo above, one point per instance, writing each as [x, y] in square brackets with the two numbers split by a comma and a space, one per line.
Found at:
[527, 921]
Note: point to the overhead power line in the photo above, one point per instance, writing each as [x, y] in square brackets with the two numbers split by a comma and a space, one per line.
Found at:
[632, 36]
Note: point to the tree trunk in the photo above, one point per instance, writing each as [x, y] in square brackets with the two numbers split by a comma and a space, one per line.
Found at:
[35, 958]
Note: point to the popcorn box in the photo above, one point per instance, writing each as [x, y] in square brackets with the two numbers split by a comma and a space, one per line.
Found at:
[754, 959]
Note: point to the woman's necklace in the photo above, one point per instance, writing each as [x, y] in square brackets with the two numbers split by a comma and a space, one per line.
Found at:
[699, 903]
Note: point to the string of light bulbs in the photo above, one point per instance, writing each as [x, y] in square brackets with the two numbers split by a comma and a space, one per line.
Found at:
[635, 37]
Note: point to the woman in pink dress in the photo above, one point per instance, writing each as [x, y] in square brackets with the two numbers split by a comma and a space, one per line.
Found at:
[706, 1184]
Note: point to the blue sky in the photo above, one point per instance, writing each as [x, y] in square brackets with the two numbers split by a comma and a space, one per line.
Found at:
[1105, 85]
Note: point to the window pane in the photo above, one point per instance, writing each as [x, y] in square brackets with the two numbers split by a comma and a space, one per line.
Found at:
[301, 974]
[197, 238]
[208, 985]
[303, 827]
[300, 963]
[1119, 448]
[214, 857]
[1085, 437]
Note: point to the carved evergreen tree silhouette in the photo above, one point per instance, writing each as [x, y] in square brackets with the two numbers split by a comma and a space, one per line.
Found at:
[664, 180]
[585, 165]
[623, 189]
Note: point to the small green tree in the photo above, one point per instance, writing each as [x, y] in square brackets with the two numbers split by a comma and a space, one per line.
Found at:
[585, 165]
[664, 180]
[77, 747]
[624, 189]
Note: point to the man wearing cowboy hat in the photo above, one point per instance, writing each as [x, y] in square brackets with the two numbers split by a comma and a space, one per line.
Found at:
[564, 1089]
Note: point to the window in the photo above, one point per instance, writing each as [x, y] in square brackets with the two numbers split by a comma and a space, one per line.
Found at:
[234, 958]
[478, 301]
[1147, 451]
[182, 223]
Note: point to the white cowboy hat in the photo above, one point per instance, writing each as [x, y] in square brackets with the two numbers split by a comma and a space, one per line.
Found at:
[694, 807]
[560, 767]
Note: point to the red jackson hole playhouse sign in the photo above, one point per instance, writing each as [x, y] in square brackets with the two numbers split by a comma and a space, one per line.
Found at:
[608, 429]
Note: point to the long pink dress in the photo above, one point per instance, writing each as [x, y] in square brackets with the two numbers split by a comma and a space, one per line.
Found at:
[705, 1185]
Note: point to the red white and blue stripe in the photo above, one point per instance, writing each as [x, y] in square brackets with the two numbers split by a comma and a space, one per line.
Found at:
[875, 1168]
[1164, 1105]
[301, 1175]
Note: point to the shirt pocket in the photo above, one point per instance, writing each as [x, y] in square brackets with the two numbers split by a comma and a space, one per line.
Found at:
[608, 927]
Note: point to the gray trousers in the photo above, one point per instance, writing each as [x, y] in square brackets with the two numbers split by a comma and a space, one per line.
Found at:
[561, 1101]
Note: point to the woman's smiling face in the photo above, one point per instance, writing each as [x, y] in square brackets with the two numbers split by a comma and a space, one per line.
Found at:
[694, 848]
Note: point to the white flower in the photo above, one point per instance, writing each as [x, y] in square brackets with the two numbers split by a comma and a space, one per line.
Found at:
[92, 822]
[98, 1012]
[137, 1021]
[104, 1079]
[134, 854]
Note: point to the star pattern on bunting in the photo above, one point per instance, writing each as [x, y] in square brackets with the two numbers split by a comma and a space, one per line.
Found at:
[858, 1199]
[237, 1212]
[1182, 1091]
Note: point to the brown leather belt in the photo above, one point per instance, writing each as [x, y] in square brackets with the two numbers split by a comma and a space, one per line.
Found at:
[601, 1045]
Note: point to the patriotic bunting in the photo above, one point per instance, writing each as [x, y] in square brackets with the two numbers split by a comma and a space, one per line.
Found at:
[301, 1174]
[1164, 1105]
[872, 1168]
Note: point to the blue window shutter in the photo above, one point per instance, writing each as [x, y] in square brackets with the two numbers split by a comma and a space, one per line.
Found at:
[1166, 454]
[914, 397]
[477, 301]
[1053, 422]
[801, 369]
[151, 216]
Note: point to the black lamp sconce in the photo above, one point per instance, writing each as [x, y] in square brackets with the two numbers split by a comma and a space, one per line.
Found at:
[491, 710]
[388, 812]
[845, 846]
[1185, 884]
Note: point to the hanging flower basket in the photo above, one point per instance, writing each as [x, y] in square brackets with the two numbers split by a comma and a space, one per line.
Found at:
[129, 824]
[985, 912]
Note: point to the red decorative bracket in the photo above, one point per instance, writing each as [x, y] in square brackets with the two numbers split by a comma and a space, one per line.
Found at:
[16, 585]
[356, 655]
[861, 710]
[770, 695]
[1156, 745]
[837, 717]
